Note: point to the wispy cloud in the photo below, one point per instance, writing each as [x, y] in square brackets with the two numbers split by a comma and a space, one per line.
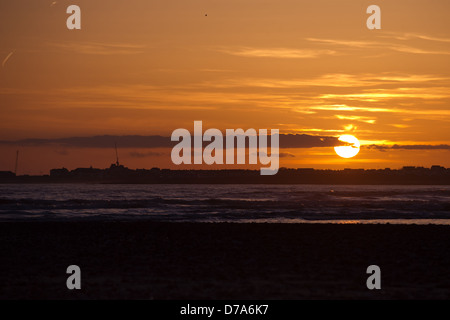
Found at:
[105, 141]
[286, 155]
[340, 80]
[7, 58]
[346, 43]
[356, 118]
[99, 48]
[344, 107]
[399, 47]
[375, 95]
[289, 53]
[410, 36]
[409, 49]
[136, 154]
[408, 147]
[319, 130]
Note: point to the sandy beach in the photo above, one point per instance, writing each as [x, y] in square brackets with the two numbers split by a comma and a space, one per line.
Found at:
[155, 260]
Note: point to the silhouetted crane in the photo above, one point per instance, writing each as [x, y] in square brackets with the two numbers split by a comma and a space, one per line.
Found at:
[117, 155]
[17, 162]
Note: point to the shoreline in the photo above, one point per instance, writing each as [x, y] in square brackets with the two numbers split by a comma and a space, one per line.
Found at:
[330, 183]
[284, 221]
[326, 183]
[164, 261]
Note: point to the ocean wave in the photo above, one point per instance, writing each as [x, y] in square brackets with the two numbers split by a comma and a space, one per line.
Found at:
[224, 203]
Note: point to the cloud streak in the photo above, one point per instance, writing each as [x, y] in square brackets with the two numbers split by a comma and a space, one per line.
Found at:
[283, 53]
[332, 80]
[135, 154]
[409, 36]
[354, 44]
[100, 48]
[385, 148]
[7, 58]
[156, 141]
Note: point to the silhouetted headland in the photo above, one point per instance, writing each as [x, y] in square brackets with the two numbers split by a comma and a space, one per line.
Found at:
[436, 175]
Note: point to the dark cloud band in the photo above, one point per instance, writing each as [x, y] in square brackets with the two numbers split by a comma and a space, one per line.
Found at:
[108, 141]
[408, 147]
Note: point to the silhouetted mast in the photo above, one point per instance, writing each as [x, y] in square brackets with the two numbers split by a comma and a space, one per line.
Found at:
[117, 155]
[17, 162]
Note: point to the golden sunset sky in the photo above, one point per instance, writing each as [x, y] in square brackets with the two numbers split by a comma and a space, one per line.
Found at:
[147, 67]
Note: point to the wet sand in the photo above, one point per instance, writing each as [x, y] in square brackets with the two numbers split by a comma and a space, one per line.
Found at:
[152, 260]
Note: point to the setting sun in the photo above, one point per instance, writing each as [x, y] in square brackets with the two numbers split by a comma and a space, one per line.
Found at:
[350, 150]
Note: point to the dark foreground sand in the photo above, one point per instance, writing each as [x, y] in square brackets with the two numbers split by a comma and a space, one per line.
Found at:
[150, 260]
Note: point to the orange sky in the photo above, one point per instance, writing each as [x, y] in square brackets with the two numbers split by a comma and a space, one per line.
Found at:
[149, 67]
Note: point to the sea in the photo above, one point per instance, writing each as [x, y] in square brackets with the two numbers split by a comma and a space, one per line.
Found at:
[227, 203]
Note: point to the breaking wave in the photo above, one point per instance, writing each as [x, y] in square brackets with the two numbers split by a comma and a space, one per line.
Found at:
[223, 203]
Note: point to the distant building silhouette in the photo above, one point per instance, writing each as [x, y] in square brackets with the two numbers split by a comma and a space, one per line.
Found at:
[118, 173]
[7, 175]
